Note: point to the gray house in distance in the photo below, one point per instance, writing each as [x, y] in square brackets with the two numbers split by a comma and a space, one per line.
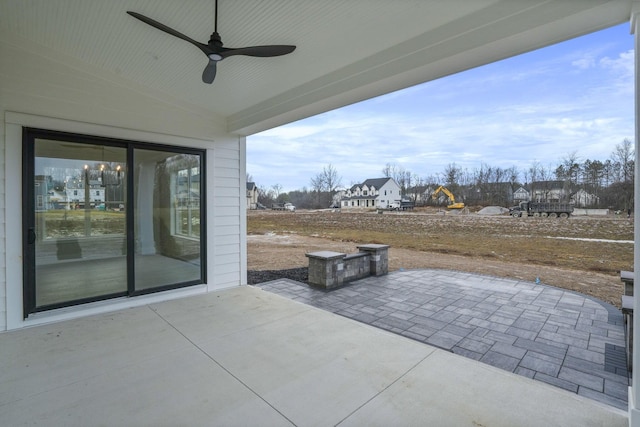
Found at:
[555, 191]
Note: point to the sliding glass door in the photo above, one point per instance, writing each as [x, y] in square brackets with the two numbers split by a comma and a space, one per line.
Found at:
[108, 218]
[166, 218]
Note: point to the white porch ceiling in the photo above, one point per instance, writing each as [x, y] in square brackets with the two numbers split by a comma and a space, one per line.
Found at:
[347, 50]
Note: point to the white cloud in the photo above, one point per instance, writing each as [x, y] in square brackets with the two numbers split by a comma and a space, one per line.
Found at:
[584, 63]
[511, 113]
[623, 64]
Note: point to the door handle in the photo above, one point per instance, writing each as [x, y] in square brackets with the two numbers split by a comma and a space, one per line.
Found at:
[31, 236]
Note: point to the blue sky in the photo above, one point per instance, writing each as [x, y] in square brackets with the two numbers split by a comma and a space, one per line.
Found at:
[576, 96]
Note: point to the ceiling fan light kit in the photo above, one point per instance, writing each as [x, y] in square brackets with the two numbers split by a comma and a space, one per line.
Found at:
[214, 49]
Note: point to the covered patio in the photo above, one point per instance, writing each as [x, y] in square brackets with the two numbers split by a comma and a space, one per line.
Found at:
[210, 350]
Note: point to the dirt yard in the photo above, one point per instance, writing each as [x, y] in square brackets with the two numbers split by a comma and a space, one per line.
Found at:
[583, 254]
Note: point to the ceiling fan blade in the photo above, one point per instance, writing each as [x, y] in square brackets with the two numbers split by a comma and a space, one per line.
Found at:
[209, 72]
[260, 51]
[203, 47]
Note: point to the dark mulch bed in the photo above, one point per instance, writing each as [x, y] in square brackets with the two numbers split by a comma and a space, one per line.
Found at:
[260, 276]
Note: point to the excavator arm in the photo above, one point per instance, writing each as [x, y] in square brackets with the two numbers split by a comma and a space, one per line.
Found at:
[449, 194]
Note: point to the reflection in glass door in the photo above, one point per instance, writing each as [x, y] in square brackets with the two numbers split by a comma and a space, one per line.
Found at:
[167, 218]
[79, 229]
[88, 237]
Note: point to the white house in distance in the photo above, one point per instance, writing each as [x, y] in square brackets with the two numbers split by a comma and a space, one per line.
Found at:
[84, 83]
[521, 195]
[252, 195]
[373, 193]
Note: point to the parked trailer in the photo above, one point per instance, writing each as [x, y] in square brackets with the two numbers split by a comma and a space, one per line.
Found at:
[406, 205]
[542, 209]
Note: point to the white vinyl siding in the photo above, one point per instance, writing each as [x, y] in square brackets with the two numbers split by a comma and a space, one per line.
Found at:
[48, 92]
[227, 230]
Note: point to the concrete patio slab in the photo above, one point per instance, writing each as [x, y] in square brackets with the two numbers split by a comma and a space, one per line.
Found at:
[313, 368]
[461, 392]
[267, 361]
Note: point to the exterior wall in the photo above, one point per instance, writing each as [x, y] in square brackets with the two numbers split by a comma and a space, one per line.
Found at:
[521, 195]
[355, 197]
[388, 193]
[226, 224]
[252, 199]
[57, 93]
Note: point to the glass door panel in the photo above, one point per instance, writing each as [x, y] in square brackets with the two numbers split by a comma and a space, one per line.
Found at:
[167, 215]
[88, 238]
[80, 225]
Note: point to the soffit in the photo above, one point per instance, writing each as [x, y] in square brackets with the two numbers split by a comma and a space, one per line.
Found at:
[347, 50]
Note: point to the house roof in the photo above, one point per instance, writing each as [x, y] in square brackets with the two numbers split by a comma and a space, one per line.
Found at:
[347, 51]
[251, 186]
[373, 182]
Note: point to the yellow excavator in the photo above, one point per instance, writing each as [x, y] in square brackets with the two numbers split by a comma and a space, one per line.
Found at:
[452, 200]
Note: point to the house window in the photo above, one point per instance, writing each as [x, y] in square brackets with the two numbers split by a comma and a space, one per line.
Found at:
[187, 200]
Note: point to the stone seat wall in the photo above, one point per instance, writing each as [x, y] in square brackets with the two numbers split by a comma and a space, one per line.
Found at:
[329, 269]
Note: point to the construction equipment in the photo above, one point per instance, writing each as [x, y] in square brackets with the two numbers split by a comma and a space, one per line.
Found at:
[452, 200]
[542, 209]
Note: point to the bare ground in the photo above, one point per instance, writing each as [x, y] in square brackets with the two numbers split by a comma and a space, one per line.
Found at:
[276, 250]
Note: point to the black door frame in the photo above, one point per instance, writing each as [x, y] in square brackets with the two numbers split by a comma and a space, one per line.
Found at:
[29, 135]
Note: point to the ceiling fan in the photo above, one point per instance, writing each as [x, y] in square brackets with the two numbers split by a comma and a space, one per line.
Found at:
[214, 48]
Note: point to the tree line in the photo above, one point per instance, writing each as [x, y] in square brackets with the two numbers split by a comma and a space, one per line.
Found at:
[610, 182]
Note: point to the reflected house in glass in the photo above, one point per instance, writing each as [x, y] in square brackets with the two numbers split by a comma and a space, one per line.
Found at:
[74, 192]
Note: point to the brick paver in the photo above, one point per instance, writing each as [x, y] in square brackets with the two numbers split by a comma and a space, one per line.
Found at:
[562, 338]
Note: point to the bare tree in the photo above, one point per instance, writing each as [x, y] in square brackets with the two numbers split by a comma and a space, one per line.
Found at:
[275, 190]
[451, 175]
[332, 179]
[317, 183]
[389, 170]
[569, 169]
[324, 184]
[328, 180]
[623, 157]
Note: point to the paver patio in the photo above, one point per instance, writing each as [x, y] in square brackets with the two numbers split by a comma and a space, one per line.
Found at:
[560, 337]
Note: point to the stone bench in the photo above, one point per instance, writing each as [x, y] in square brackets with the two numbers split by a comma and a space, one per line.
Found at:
[328, 269]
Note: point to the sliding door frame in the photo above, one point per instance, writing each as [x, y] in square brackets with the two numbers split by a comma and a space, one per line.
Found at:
[29, 135]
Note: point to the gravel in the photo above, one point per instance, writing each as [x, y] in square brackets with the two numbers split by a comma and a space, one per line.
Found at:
[493, 210]
[260, 276]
